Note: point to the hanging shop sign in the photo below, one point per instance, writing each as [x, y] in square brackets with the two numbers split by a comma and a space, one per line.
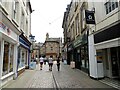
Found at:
[77, 42]
[81, 40]
[89, 16]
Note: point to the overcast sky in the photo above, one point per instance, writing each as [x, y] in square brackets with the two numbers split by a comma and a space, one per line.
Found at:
[47, 17]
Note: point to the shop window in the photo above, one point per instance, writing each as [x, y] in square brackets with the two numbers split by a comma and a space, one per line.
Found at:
[11, 57]
[19, 50]
[82, 57]
[26, 57]
[106, 58]
[86, 55]
[8, 58]
[22, 57]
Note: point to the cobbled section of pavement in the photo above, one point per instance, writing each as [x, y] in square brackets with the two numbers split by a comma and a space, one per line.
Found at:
[74, 78]
[41, 79]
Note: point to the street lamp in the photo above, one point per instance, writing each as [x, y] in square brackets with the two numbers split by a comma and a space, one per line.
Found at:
[32, 39]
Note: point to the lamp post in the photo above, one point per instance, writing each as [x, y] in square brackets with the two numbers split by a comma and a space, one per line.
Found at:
[32, 39]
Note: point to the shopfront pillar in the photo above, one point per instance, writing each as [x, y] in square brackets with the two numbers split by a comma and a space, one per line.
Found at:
[1, 61]
[15, 61]
[92, 57]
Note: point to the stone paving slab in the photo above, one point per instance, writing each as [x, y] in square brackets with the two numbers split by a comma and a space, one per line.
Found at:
[74, 78]
[21, 81]
[41, 79]
[33, 79]
[65, 78]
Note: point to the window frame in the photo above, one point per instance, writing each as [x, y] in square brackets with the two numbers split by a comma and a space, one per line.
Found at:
[109, 6]
[15, 9]
[7, 64]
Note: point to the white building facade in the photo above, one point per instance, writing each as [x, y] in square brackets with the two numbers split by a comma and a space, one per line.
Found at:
[11, 27]
[104, 39]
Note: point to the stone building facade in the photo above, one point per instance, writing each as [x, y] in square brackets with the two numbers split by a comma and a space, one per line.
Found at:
[52, 47]
[15, 28]
[75, 35]
[95, 48]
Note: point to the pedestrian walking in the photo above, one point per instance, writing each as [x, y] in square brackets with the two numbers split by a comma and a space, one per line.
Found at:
[45, 60]
[41, 62]
[58, 63]
[50, 63]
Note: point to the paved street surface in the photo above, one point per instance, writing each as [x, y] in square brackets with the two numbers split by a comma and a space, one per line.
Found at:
[65, 78]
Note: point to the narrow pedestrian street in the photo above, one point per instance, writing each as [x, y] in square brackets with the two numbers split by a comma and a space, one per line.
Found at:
[65, 78]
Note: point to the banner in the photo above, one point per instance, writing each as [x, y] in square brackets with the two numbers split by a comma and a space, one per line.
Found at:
[89, 16]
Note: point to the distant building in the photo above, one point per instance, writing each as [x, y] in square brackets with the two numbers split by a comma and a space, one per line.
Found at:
[42, 49]
[52, 47]
[36, 50]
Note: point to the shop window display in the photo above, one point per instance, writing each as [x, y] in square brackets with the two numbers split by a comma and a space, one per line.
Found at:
[8, 58]
[21, 57]
[82, 56]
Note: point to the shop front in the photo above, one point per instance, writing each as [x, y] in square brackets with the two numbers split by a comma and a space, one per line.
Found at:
[111, 63]
[64, 53]
[70, 53]
[23, 54]
[81, 52]
[105, 53]
[9, 37]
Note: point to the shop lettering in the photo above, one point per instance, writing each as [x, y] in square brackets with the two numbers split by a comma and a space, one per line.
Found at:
[2, 26]
[5, 28]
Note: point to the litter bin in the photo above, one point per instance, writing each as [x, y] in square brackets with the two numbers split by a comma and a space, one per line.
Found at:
[72, 64]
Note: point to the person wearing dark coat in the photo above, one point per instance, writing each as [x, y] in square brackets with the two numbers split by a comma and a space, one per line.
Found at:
[58, 63]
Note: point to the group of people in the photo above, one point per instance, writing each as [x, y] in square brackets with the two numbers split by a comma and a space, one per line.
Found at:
[50, 62]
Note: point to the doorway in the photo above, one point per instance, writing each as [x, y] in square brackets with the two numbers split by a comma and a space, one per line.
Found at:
[115, 62]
